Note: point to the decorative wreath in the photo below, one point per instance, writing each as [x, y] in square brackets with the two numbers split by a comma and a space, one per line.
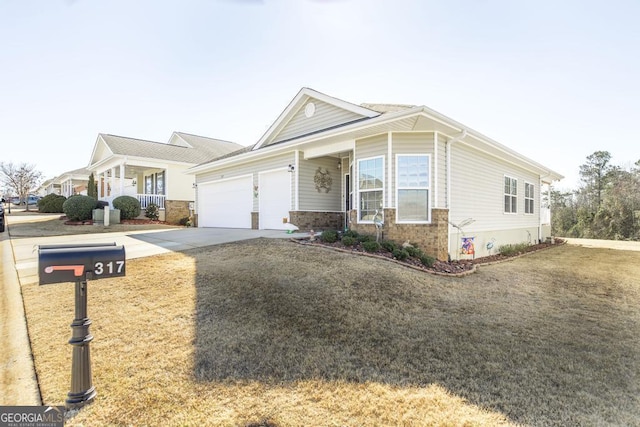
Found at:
[323, 180]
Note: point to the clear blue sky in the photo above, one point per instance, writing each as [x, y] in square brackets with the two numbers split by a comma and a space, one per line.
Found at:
[553, 80]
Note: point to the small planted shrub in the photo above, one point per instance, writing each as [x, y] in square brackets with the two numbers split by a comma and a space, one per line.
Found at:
[152, 212]
[51, 203]
[389, 246]
[79, 208]
[413, 251]
[400, 254]
[349, 241]
[129, 206]
[184, 221]
[329, 236]
[427, 261]
[371, 246]
[512, 249]
[351, 233]
[362, 238]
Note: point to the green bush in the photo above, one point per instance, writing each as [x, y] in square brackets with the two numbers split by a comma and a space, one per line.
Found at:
[184, 221]
[329, 236]
[152, 212]
[362, 238]
[79, 208]
[413, 251]
[51, 203]
[512, 249]
[400, 254]
[389, 246]
[349, 240]
[129, 206]
[427, 260]
[351, 233]
[371, 246]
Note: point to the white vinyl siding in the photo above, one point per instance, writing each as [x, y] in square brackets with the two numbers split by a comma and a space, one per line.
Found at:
[310, 198]
[370, 188]
[413, 185]
[529, 195]
[324, 117]
[510, 195]
[477, 191]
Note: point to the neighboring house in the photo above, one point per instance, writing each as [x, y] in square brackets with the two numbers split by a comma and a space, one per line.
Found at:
[72, 182]
[48, 187]
[326, 163]
[153, 172]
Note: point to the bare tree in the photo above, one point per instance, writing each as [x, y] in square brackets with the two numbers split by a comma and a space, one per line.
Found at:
[22, 179]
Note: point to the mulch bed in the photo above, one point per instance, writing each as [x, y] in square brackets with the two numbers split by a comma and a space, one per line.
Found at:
[454, 267]
[140, 221]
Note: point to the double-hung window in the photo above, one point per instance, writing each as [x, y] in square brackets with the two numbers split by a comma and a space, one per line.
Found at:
[412, 183]
[510, 195]
[529, 191]
[370, 188]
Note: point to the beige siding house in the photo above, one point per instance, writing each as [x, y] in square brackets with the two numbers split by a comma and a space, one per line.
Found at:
[327, 163]
[153, 172]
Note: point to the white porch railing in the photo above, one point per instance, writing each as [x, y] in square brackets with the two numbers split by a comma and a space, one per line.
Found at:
[147, 199]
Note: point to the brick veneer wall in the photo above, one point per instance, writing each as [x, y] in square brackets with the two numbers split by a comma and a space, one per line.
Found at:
[255, 220]
[431, 238]
[175, 210]
[306, 220]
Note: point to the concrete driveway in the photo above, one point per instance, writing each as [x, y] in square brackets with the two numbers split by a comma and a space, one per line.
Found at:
[137, 244]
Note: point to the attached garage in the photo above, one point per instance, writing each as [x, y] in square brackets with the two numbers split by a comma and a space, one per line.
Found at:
[275, 199]
[227, 203]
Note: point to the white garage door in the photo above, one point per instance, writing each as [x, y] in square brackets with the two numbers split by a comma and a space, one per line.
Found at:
[275, 199]
[226, 203]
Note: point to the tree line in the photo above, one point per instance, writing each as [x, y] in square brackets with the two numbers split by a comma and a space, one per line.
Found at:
[606, 204]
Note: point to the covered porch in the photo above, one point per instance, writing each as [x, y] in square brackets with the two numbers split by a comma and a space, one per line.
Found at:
[144, 182]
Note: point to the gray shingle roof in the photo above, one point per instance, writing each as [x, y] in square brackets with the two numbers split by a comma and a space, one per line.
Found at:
[202, 149]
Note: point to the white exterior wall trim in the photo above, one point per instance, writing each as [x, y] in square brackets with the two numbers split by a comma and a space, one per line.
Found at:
[387, 197]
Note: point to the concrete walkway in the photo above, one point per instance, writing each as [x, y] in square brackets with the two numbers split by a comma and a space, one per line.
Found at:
[18, 382]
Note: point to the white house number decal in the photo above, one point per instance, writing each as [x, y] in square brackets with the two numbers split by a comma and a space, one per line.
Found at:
[111, 268]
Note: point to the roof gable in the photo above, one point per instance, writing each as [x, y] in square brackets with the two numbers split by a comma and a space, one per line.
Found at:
[310, 112]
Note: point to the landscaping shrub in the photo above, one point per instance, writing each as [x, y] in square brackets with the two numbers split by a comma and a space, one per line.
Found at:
[152, 212]
[512, 249]
[79, 208]
[129, 206]
[362, 238]
[349, 240]
[427, 261]
[329, 236]
[184, 221]
[371, 246]
[413, 251]
[389, 246]
[351, 233]
[400, 254]
[51, 203]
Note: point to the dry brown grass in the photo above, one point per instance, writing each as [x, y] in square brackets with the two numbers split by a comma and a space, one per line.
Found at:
[271, 333]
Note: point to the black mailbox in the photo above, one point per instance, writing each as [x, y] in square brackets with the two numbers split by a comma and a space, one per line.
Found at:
[72, 263]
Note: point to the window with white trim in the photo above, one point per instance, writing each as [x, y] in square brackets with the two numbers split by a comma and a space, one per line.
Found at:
[412, 186]
[529, 192]
[510, 195]
[370, 188]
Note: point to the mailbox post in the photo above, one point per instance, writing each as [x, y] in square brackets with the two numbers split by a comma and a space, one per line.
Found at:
[79, 263]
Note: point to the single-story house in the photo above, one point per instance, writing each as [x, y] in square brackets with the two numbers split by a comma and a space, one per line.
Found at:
[72, 182]
[422, 177]
[153, 172]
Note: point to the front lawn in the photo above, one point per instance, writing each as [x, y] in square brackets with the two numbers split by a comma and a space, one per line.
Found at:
[269, 332]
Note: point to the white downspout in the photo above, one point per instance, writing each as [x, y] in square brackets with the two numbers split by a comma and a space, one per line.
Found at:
[461, 136]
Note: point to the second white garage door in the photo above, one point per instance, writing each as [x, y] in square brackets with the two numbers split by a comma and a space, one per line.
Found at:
[226, 203]
[275, 199]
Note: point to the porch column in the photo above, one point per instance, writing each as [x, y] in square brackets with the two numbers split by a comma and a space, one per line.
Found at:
[121, 179]
[99, 184]
[112, 180]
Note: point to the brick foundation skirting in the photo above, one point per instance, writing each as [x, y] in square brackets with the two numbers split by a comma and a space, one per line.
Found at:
[306, 220]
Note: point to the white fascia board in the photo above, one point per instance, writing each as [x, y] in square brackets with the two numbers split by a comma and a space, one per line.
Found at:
[326, 149]
[99, 140]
